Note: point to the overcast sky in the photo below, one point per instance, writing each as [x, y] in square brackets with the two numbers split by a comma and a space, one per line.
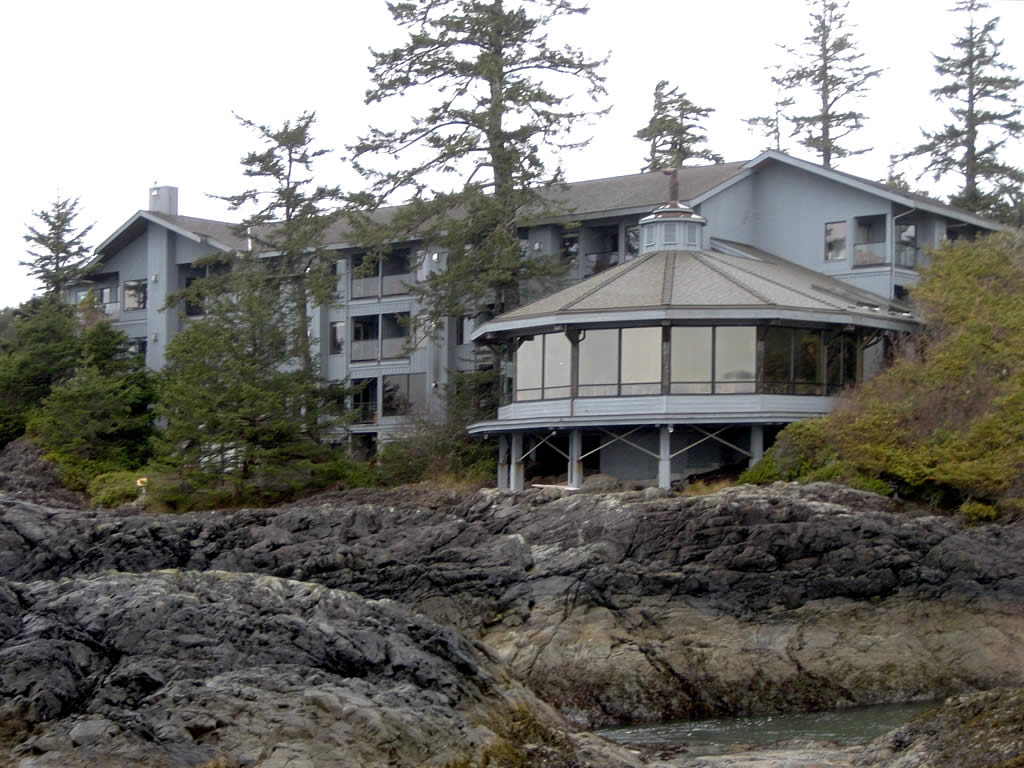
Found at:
[104, 98]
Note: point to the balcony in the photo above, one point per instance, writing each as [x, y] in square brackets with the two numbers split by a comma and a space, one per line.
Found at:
[870, 254]
[395, 285]
[393, 347]
[113, 310]
[593, 263]
[907, 256]
[364, 350]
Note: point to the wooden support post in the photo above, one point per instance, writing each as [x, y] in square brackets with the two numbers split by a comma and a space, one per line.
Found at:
[665, 457]
[575, 473]
[756, 443]
[516, 475]
[503, 461]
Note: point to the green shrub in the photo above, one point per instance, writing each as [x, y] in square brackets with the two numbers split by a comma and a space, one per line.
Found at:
[112, 489]
[978, 512]
[763, 472]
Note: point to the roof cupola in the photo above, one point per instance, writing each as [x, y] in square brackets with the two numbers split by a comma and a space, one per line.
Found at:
[673, 226]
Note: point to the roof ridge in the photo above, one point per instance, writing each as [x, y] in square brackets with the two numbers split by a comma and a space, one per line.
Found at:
[700, 256]
[666, 283]
[787, 287]
[628, 267]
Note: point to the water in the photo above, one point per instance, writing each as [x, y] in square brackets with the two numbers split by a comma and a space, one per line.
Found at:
[709, 737]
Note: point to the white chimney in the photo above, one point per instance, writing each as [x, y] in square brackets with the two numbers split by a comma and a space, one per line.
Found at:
[164, 200]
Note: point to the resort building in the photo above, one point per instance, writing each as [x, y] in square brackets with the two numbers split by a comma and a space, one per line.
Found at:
[685, 336]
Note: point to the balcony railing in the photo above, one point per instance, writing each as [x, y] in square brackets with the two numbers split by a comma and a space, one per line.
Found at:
[364, 350]
[393, 347]
[365, 287]
[907, 256]
[870, 254]
[394, 285]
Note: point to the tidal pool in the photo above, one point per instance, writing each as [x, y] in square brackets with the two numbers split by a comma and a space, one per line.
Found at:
[856, 725]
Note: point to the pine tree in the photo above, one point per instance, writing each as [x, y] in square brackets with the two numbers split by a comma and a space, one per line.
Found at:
[58, 251]
[293, 214]
[233, 391]
[985, 115]
[830, 68]
[674, 132]
[475, 162]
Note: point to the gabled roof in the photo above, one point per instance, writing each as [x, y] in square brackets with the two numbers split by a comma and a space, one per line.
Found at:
[908, 199]
[219, 234]
[732, 282]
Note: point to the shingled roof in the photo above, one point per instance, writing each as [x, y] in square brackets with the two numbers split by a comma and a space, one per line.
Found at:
[732, 280]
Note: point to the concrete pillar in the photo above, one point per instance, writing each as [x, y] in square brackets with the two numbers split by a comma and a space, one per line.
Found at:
[575, 463]
[502, 461]
[516, 477]
[664, 457]
[756, 443]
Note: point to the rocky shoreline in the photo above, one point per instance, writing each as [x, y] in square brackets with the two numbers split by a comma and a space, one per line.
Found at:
[427, 617]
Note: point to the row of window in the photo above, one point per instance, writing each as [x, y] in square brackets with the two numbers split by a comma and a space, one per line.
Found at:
[374, 337]
[685, 360]
[400, 395]
[870, 247]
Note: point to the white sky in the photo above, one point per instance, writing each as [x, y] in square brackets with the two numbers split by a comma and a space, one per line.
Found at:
[104, 98]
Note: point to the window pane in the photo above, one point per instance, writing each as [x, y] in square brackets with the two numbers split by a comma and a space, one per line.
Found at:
[599, 362]
[833, 361]
[365, 338]
[394, 334]
[671, 233]
[528, 369]
[134, 294]
[365, 277]
[691, 360]
[395, 273]
[557, 351]
[807, 363]
[691, 234]
[835, 240]
[364, 400]
[778, 356]
[337, 337]
[641, 357]
[632, 242]
[396, 394]
[735, 358]
[418, 392]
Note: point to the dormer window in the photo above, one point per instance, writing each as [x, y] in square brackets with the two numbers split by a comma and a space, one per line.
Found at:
[671, 236]
[672, 227]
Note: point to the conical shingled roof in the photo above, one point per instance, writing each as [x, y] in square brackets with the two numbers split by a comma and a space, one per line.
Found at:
[733, 277]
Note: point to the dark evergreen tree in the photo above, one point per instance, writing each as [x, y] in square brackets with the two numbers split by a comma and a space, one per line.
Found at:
[475, 163]
[41, 349]
[674, 133]
[58, 253]
[233, 391]
[829, 69]
[287, 229]
[985, 115]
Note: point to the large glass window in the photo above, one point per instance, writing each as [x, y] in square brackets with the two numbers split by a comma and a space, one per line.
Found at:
[808, 363]
[365, 277]
[337, 337]
[403, 393]
[691, 360]
[841, 361]
[394, 334]
[134, 294]
[835, 240]
[778, 360]
[364, 400]
[735, 359]
[632, 241]
[529, 372]
[641, 361]
[395, 275]
[599, 362]
[365, 337]
[557, 365]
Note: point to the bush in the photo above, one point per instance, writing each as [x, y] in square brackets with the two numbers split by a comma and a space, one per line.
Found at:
[112, 489]
[978, 512]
